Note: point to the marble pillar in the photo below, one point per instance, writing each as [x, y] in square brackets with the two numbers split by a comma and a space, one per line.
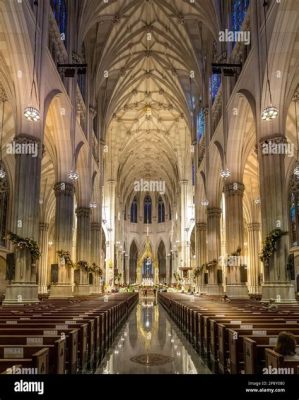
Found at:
[95, 253]
[201, 251]
[24, 288]
[43, 261]
[254, 263]
[214, 248]
[274, 215]
[83, 248]
[234, 239]
[64, 193]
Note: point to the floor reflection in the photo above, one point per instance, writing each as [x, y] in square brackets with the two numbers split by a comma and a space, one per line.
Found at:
[150, 343]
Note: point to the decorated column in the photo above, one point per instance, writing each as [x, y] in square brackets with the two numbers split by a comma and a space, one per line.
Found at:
[274, 222]
[110, 244]
[214, 249]
[96, 240]
[254, 262]
[43, 261]
[83, 250]
[201, 252]
[24, 288]
[235, 240]
[64, 192]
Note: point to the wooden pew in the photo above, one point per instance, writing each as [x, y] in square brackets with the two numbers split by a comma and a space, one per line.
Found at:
[38, 361]
[282, 365]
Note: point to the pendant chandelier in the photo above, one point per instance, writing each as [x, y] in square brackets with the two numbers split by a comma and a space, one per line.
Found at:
[32, 113]
[270, 112]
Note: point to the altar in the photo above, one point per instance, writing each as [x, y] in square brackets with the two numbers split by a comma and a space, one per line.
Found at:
[147, 268]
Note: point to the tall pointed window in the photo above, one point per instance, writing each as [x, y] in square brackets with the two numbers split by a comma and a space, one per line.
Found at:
[200, 125]
[215, 83]
[134, 210]
[238, 14]
[147, 210]
[161, 211]
[60, 12]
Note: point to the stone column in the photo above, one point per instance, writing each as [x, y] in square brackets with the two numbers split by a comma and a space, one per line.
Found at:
[64, 192]
[168, 277]
[274, 215]
[24, 288]
[254, 259]
[214, 248]
[95, 251]
[83, 248]
[201, 251]
[234, 238]
[110, 244]
[43, 261]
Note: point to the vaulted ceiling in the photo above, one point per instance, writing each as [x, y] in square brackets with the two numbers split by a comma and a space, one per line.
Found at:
[147, 59]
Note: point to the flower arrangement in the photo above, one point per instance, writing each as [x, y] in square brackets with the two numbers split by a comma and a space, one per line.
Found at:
[177, 277]
[96, 268]
[25, 243]
[197, 272]
[270, 243]
[66, 255]
[83, 265]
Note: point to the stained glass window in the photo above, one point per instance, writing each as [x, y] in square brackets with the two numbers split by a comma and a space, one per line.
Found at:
[161, 211]
[60, 12]
[200, 125]
[147, 210]
[134, 209]
[293, 219]
[215, 84]
[193, 174]
[239, 11]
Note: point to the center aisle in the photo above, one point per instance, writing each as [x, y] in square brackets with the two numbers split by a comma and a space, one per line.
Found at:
[150, 343]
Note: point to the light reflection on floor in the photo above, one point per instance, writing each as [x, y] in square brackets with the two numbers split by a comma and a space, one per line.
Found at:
[150, 343]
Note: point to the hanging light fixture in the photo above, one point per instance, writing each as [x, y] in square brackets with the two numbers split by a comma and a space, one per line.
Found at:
[205, 203]
[32, 113]
[93, 205]
[225, 173]
[2, 170]
[270, 112]
[73, 175]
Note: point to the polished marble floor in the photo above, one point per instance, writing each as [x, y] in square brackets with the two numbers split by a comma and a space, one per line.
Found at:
[150, 343]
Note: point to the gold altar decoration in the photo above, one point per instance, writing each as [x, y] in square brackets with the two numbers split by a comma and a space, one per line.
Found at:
[148, 253]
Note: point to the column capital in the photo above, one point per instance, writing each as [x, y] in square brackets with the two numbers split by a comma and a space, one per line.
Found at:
[96, 226]
[64, 188]
[234, 189]
[43, 226]
[277, 138]
[201, 226]
[214, 212]
[254, 226]
[23, 138]
[184, 182]
[83, 212]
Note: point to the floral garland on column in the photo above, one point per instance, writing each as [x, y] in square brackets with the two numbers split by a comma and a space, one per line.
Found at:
[67, 257]
[25, 243]
[269, 246]
[83, 265]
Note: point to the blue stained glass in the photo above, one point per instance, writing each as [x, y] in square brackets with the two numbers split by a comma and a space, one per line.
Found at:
[60, 12]
[215, 85]
[200, 125]
[239, 11]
